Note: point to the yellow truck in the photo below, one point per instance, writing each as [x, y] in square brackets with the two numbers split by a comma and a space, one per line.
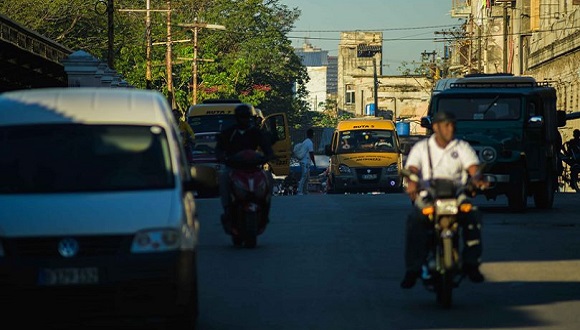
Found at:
[208, 119]
[365, 156]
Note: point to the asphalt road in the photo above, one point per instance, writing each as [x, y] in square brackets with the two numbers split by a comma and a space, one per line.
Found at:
[335, 262]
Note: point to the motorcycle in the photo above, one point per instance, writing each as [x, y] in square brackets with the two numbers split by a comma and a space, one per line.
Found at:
[442, 202]
[250, 190]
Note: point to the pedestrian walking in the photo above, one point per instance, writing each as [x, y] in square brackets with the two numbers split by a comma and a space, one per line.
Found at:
[306, 162]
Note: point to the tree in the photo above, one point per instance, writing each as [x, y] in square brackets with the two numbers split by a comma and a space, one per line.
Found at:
[253, 60]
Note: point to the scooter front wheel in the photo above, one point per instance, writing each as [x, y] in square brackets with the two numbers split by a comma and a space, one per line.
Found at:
[251, 230]
[237, 240]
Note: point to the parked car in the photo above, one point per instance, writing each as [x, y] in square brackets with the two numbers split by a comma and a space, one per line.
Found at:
[97, 212]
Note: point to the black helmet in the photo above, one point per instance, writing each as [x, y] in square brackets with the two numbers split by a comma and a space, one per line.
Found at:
[442, 116]
[576, 133]
[243, 111]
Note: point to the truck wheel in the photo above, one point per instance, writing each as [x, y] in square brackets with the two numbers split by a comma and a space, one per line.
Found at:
[544, 192]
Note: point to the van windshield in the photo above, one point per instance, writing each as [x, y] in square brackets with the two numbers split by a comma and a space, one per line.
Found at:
[83, 158]
[210, 123]
[366, 141]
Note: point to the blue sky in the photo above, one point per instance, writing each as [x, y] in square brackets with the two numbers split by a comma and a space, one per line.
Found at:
[415, 20]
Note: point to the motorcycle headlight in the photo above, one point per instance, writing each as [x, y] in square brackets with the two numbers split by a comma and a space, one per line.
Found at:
[446, 206]
[158, 240]
[344, 169]
[488, 154]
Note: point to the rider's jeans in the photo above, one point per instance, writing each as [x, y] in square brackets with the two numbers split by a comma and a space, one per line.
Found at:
[304, 177]
[418, 238]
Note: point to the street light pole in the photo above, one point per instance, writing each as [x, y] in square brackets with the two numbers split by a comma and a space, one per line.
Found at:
[195, 26]
[376, 87]
[111, 34]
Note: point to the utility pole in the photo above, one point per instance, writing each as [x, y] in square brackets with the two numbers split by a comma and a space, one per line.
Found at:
[366, 51]
[168, 63]
[111, 34]
[148, 11]
[195, 26]
[376, 86]
[505, 36]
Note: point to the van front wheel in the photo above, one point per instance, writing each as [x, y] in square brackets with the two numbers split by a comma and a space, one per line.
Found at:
[332, 189]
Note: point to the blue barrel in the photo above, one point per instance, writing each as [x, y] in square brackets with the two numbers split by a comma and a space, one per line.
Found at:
[403, 128]
[370, 109]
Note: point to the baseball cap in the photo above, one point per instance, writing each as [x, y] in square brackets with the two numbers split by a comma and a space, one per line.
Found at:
[442, 116]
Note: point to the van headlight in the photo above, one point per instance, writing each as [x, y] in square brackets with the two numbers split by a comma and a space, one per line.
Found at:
[392, 169]
[157, 240]
[488, 154]
[344, 169]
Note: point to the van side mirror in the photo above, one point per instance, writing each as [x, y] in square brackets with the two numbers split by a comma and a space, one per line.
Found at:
[426, 122]
[536, 121]
[328, 150]
[561, 118]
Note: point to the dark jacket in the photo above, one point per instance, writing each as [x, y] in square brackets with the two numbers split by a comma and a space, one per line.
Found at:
[233, 140]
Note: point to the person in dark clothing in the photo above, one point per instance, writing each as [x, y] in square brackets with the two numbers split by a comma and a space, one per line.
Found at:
[243, 135]
[572, 147]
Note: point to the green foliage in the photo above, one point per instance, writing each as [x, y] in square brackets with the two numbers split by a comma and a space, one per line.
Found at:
[253, 60]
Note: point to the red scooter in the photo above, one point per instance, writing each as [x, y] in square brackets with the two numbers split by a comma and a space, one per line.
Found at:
[250, 189]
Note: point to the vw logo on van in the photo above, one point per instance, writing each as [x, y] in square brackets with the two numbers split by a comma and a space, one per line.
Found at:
[68, 247]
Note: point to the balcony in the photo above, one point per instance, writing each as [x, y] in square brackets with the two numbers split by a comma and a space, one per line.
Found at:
[460, 8]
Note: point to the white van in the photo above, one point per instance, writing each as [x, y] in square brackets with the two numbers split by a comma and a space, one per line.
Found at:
[96, 205]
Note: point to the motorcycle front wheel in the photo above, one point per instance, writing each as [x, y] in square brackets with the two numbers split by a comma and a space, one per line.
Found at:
[251, 229]
[444, 290]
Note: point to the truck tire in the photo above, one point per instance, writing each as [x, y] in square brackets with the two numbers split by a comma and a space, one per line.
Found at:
[544, 192]
[518, 196]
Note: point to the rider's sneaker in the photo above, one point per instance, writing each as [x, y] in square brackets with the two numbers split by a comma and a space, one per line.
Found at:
[473, 273]
[409, 280]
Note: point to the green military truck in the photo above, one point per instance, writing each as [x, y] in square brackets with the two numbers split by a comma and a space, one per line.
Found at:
[512, 123]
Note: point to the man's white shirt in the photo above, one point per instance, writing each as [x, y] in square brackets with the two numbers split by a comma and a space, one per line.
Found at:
[310, 148]
[450, 162]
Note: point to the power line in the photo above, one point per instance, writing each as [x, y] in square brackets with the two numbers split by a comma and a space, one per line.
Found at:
[381, 29]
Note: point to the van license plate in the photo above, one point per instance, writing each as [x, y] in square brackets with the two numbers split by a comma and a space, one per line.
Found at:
[68, 276]
[369, 176]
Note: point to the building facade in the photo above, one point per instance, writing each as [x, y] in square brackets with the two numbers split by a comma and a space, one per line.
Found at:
[538, 38]
[322, 71]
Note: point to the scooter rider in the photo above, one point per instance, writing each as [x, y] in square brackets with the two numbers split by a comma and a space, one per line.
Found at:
[450, 158]
[241, 136]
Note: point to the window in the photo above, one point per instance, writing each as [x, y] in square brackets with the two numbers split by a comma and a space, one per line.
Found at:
[76, 158]
[349, 96]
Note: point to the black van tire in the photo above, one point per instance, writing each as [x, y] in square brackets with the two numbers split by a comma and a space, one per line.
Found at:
[332, 189]
[518, 196]
[544, 192]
